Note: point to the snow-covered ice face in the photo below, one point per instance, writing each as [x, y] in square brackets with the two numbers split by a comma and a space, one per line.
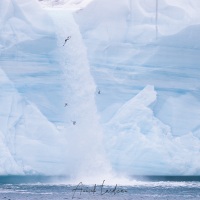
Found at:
[142, 55]
[67, 4]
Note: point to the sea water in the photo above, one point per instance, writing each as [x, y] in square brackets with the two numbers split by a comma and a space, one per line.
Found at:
[139, 190]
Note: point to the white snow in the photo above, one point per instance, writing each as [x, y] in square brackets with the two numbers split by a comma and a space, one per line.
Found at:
[69, 4]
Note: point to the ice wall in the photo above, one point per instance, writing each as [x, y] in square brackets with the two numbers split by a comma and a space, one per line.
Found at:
[144, 59]
[27, 133]
[137, 43]
[39, 76]
[141, 144]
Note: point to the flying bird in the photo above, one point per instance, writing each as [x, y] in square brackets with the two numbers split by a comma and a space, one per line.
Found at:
[66, 40]
[74, 122]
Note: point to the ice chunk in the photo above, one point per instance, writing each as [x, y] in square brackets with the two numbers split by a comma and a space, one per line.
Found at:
[138, 143]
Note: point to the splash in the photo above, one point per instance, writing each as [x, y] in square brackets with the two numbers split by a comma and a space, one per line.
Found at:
[86, 154]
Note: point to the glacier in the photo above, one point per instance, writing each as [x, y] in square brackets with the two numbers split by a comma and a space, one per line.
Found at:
[143, 57]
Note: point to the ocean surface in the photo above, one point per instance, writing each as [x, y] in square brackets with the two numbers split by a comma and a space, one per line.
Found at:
[151, 188]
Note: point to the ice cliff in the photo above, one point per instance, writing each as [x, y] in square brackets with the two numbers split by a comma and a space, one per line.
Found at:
[39, 76]
[134, 44]
[143, 57]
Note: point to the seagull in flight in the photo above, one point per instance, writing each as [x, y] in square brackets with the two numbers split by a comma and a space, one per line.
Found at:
[74, 122]
[66, 40]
